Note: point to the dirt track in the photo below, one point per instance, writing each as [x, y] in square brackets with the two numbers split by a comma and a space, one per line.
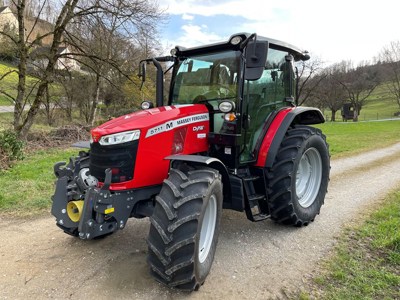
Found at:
[253, 260]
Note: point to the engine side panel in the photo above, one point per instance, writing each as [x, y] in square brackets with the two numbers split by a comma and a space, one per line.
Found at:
[187, 137]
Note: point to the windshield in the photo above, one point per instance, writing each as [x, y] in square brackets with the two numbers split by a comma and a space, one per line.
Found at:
[207, 77]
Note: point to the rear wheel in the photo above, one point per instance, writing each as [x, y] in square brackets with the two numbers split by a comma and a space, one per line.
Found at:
[184, 227]
[298, 179]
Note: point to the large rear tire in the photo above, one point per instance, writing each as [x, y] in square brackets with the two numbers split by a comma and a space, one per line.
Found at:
[184, 227]
[298, 179]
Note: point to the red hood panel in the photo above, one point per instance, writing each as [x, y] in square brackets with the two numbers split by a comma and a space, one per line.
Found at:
[145, 119]
[164, 131]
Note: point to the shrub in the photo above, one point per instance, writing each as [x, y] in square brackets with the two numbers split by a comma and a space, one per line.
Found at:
[11, 149]
[8, 49]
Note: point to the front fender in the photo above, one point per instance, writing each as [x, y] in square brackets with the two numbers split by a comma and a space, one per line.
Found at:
[211, 162]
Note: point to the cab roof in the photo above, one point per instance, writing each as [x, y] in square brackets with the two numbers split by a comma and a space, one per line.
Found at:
[297, 53]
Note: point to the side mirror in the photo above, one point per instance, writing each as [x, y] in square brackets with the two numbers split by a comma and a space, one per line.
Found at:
[256, 58]
[289, 76]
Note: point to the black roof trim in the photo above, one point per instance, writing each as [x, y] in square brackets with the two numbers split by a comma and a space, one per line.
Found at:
[275, 44]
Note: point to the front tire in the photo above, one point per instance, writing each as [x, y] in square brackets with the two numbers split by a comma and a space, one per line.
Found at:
[185, 227]
[298, 179]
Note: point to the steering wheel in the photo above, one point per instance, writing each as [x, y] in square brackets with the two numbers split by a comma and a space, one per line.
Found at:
[199, 99]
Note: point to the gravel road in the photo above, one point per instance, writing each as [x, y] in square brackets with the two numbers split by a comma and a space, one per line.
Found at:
[253, 260]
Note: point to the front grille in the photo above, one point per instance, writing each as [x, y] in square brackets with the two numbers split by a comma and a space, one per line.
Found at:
[119, 158]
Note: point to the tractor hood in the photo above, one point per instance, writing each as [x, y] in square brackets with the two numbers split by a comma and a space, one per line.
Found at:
[146, 120]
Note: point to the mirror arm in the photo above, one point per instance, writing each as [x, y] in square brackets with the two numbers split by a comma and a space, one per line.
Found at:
[247, 40]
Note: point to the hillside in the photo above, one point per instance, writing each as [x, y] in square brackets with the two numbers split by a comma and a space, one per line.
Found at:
[380, 105]
[9, 83]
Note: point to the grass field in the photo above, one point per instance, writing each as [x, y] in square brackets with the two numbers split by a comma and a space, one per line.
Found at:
[9, 83]
[379, 106]
[27, 187]
[366, 262]
[346, 138]
[4, 101]
[6, 120]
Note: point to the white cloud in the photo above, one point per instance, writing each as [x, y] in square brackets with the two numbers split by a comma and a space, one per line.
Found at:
[187, 17]
[194, 36]
[334, 30]
[253, 9]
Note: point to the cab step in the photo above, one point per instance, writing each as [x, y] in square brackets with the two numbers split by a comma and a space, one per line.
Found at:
[255, 207]
[254, 213]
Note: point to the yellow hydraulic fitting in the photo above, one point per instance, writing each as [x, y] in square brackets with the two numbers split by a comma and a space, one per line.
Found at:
[74, 210]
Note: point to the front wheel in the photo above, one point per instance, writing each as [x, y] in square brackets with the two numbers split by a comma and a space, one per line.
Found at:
[298, 179]
[184, 227]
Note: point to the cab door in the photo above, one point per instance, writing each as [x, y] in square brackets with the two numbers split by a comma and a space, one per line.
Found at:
[263, 96]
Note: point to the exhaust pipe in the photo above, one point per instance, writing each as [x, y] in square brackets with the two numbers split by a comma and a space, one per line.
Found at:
[74, 210]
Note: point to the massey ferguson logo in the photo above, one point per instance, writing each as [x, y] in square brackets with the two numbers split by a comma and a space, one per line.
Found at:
[198, 128]
[170, 125]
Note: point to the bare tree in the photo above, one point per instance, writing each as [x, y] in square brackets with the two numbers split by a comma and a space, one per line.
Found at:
[358, 83]
[306, 79]
[65, 16]
[129, 15]
[77, 92]
[390, 56]
[65, 100]
[331, 93]
[107, 49]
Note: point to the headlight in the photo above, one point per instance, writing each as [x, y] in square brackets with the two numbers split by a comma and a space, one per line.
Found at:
[146, 105]
[236, 40]
[226, 106]
[119, 138]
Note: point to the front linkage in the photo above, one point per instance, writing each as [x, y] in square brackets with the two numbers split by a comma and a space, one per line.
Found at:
[84, 209]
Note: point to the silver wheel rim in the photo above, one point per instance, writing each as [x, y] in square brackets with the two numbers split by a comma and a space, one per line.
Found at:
[308, 177]
[208, 228]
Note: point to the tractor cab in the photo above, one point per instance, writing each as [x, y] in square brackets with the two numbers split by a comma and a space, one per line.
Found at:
[241, 81]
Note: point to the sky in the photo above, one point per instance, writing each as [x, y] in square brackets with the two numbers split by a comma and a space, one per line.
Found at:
[332, 30]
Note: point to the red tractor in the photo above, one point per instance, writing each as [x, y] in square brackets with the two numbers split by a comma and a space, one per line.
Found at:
[230, 136]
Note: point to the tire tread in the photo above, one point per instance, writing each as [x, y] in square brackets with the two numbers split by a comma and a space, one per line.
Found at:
[173, 230]
[280, 198]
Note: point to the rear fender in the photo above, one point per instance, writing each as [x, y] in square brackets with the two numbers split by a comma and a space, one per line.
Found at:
[275, 133]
